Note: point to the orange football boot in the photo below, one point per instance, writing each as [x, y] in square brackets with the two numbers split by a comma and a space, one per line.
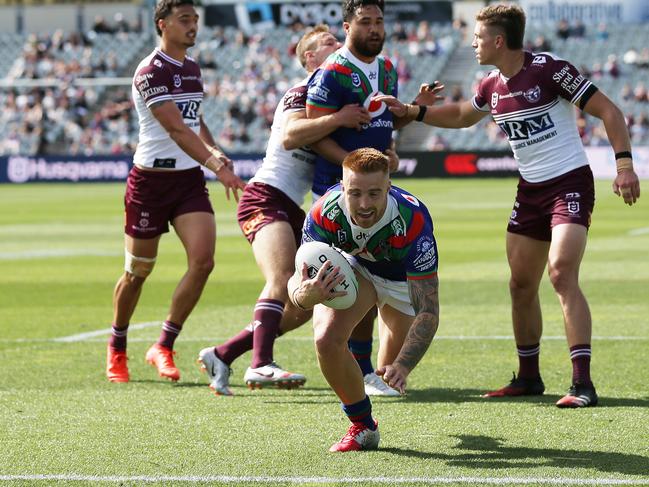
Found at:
[163, 359]
[116, 367]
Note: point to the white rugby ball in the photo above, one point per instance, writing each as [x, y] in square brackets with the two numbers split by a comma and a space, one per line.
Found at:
[315, 254]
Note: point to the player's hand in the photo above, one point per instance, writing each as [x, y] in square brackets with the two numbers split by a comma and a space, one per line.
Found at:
[393, 157]
[353, 116]
[627, 185]
[428, 94]
[394, 105]
[231, 182]
[320, 288]
[394, 375]
[220, 155]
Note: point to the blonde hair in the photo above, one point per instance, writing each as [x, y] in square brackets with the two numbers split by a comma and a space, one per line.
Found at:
[308, 42]
[509, 19]
[367, 160]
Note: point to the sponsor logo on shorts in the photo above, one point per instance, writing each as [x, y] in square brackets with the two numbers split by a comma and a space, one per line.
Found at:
[250, 225]
[514, 214]
[573, 207]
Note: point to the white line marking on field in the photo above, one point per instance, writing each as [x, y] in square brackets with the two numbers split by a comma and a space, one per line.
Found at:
[81, 337]
[44, 253]
[327, 480]
[639, 231]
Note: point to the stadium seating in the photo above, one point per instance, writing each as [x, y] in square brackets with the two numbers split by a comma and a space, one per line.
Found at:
[52, 101]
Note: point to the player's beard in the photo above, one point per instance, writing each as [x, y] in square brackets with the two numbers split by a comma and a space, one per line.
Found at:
[367, 49]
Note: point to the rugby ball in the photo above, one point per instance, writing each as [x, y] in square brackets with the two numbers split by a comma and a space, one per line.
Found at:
[314, 255]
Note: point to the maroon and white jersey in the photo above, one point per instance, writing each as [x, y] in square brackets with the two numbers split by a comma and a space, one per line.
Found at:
[290, 171]
[158, 78]
[535, 110]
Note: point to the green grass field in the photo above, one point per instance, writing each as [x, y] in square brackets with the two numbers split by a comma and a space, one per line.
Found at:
[61, 422]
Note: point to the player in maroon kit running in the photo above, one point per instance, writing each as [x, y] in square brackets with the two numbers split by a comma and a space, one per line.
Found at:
[166, 185]
[531, 97]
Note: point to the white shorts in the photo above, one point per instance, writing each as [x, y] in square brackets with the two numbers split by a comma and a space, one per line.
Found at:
[393, 293]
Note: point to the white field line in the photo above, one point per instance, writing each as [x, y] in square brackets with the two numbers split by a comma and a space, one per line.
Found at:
[55, 253]
[639, 231]
[325, 480]
[80, 337]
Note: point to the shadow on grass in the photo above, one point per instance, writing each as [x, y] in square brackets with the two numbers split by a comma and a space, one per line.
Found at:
[485, 452]
[442, 395]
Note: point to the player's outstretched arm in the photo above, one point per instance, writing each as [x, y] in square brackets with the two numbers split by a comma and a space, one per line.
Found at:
[167, 114]
[428, 95]
[626, 183]
[451, 115]
[425, 301]
[300, 130]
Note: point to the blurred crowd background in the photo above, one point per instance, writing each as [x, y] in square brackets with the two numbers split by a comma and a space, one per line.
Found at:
[70, 92]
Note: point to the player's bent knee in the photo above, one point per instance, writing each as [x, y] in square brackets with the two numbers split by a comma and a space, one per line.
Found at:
[138, 266]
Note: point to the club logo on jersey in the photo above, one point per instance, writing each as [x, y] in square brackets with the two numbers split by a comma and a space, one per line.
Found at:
[410, 198]
[356, 80]
[375, 108]
[156, 62]
[494, 100]
[526, 128]
[177, 81]
[573, 207]
[426, 254]
[533, 94]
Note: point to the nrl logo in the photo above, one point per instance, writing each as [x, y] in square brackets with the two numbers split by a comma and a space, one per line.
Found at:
[356, 80]
[494, 100]
[177, 81]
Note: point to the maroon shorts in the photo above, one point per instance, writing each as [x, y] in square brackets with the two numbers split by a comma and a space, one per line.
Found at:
[262, 204]
[155, 198]
[568, 198]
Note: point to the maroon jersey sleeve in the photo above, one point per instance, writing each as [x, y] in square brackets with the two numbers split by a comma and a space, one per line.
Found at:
[563, 79]
[153, 83]
[482, 95]
[295, 98]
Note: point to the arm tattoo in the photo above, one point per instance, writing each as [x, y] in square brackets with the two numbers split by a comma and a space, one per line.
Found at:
[425, 301]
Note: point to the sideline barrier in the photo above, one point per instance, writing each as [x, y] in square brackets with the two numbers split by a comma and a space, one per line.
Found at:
[24, 169]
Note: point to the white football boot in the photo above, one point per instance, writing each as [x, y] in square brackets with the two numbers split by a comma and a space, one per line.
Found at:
[375, 386]
[217, 370]
[272, 375]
